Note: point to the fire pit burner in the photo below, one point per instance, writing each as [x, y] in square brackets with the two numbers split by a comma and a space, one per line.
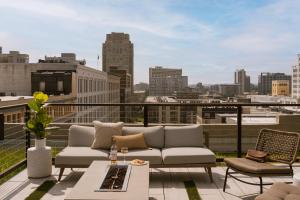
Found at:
[115, 178]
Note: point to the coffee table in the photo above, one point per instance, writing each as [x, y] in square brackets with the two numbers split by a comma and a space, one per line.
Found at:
[137, 189]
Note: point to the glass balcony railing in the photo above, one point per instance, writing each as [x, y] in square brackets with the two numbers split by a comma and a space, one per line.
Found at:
[229, 128]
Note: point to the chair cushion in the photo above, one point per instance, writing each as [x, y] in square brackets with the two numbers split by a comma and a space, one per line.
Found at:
[250, 166]
[154, 136]
[136, 141]
[81, 136]
[188, 155]
[104, 133]
[184, 136]
[80, 156]
[281, 191]
[152, 155]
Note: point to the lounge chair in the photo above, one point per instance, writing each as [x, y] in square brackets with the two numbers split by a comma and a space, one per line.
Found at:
[281, 147]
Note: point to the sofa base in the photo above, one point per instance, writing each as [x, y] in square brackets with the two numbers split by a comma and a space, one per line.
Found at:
[207, 167]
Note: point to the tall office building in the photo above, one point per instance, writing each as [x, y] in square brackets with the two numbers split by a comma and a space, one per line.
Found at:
[296, 79]
[117, 54]
[265, 81]
[165, 81]
[243, 80]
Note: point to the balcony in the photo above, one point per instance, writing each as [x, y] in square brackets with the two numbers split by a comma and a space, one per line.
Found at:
[228, 134]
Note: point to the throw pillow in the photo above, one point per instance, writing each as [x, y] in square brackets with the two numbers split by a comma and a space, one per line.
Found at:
[136, 141]
[256, 155]
[104, 133]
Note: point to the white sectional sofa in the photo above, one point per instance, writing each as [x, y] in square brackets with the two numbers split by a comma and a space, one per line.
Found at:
[169, 146]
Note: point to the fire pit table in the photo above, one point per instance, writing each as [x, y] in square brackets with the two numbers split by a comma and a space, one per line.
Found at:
[102, 181]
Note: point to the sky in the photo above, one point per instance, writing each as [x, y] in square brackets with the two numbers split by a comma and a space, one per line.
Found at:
[208, 39]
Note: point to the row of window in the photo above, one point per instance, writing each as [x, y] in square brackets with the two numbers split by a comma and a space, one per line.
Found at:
[60, 86]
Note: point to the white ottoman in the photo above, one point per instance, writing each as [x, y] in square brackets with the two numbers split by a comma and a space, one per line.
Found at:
[296, 179]
[39, 162]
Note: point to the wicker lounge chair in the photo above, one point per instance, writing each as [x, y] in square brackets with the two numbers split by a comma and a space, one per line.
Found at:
[281, 147]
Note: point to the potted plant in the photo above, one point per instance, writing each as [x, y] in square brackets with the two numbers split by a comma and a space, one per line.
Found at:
[39, 121]
[39, 159]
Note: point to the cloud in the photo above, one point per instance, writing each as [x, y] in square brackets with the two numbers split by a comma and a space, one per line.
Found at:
[209, 40]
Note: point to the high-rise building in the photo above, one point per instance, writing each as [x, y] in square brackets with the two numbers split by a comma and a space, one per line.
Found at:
[165, 81]
[117, 54]
[280, 88]
[243, 80]
[296, 80]
[265, 81]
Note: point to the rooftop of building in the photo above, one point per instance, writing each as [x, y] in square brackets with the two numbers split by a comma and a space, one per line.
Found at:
[160, 99]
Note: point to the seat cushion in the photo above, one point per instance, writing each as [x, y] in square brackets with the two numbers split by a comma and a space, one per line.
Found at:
[104, 133]
[188, 155]
[281, 191]
[154, 136]
[183, 136]
[80, 156]
[81, 136]
[152, 155]
[246, 165]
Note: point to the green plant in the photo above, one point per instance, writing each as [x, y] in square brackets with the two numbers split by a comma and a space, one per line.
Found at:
[39, 119]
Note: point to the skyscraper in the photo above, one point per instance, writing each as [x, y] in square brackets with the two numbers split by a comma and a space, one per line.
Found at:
[296, 80]
[165, 81]
[117, 54]
[265, 81]
[243, 80]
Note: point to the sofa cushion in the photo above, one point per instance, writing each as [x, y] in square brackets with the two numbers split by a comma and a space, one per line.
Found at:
[104, 133]
[81, 135]
[80, 156]
[136, 141]
[154, 136]
[152, 155]
[251, 166]
[184, 136]
[187, 155]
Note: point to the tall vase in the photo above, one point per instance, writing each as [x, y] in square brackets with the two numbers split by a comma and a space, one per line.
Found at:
[39, 160]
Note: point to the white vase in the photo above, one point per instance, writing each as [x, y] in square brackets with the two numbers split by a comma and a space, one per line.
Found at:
[39, 160]
[40, 143]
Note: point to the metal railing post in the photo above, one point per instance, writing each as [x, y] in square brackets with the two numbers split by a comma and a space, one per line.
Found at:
[1, 126]
[145, 115]
[239, 131]
[27, 133]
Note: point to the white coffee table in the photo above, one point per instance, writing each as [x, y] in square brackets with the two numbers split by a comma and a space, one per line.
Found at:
[137, 189]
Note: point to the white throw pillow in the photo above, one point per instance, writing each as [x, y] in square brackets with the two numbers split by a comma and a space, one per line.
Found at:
[104, 133]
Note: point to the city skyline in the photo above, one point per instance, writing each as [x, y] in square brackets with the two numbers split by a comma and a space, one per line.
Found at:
[199, 37]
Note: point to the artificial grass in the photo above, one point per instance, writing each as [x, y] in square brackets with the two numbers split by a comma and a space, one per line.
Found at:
[10, 157]
[191, 190]
[39, 192]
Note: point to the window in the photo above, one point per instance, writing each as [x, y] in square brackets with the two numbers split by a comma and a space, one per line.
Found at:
[60, 86]
[42, 86]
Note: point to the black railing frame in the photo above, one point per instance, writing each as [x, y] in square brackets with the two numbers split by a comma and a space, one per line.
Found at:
[27, 132]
